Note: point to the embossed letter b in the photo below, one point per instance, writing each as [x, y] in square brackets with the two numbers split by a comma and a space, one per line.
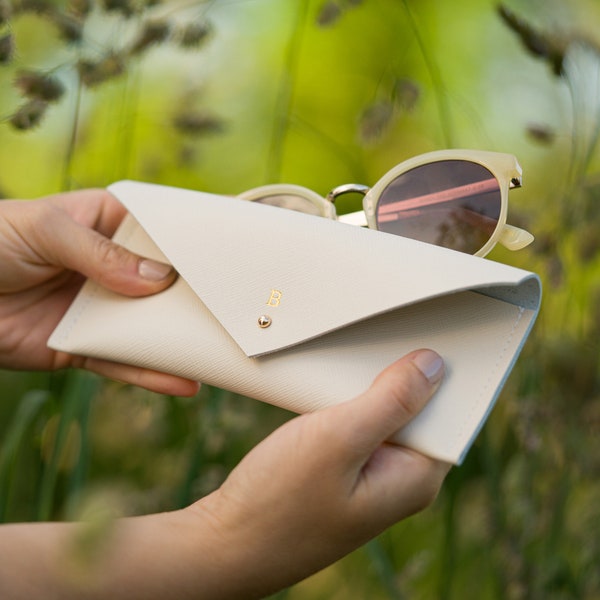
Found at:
[274, 298]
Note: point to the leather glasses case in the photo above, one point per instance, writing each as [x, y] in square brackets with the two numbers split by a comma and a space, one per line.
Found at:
[303, 312]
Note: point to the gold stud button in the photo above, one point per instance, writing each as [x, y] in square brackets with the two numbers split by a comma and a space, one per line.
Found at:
[264, 321]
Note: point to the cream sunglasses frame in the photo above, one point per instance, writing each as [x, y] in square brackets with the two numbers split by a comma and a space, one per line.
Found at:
[504, 167]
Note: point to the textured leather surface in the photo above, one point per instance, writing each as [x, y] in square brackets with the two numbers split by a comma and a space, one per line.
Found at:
[345, 303]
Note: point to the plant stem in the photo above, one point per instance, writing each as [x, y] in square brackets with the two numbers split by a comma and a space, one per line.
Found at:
[78, 392]
[436, 79]
[285, 97]
[67, 177]
[27, 411]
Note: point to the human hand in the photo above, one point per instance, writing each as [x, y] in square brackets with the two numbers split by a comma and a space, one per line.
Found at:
[47, 248]
[314, 490]
[323, 484]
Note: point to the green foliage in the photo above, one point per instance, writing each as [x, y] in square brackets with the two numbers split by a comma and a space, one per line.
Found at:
[224, 96]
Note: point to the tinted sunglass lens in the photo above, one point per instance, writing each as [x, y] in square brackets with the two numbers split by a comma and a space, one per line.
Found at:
[291, 202]
[452, 203]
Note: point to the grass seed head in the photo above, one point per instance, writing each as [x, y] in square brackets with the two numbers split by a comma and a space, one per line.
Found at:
[195, 123]
[7, 48]
[195, 34]
[39, 85]
[29, 114]
[329, 14]
[152, 33]
[94, 73]
[79, 9]
[406, 94]
[69, 28]
[5, 12]
[375, 121]
[125, 7]
[542, 45]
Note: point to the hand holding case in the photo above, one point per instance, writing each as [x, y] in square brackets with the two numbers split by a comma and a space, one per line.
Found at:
[343, 303]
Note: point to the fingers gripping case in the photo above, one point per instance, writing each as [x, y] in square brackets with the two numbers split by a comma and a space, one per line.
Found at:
[303, 312]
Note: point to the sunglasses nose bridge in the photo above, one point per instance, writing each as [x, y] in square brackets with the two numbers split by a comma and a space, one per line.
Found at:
[347, 188]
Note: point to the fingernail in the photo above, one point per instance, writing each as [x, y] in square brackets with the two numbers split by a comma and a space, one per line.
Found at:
[153, 270]
[430, 363]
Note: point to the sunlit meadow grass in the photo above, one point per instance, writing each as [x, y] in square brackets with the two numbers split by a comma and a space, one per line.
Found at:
[520, 519]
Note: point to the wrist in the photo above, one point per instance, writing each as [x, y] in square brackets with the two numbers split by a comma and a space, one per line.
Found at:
[251, 550]
[229, 561]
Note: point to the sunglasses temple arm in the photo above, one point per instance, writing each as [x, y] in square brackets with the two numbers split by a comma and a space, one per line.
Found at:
[511, 237]
[514, 238]
[357, 218]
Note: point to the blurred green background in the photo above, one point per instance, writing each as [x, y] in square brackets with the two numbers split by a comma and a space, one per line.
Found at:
[224, 95]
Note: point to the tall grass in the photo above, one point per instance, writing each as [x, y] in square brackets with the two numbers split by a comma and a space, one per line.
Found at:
[346, 90]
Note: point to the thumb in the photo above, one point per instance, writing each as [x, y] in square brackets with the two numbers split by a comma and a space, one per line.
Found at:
[396, 396]
[90, 253]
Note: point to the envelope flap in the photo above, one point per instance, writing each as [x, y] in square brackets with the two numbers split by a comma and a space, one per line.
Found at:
[306, 275]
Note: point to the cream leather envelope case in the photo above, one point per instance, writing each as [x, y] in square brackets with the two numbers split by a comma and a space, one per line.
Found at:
[303, 312]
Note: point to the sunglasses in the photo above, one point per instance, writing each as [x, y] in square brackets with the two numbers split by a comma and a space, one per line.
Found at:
[456, 199]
